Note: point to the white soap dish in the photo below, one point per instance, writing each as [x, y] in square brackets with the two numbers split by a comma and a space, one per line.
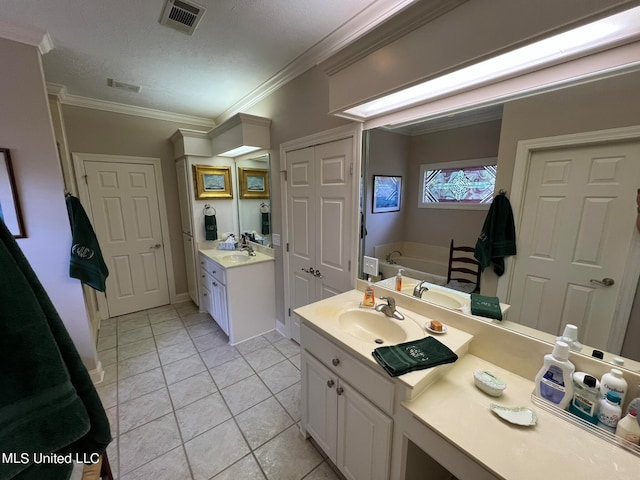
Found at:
[518, 415]
[489, 383]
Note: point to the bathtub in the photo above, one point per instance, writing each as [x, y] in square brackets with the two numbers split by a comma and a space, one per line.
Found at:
[414, 267]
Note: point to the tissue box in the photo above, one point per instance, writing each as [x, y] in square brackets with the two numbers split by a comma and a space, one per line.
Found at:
[227, 245]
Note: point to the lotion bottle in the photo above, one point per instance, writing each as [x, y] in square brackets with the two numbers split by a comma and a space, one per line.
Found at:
[614, 382]
[369, 299]
[399, 280]
[554, 381]
[628, 428]
[609, 412]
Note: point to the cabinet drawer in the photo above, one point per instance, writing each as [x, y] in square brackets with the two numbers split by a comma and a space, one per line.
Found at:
[212, 268]
[373, 386]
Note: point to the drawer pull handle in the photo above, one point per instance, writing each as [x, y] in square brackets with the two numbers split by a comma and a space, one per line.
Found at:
[214, 284]
[330, 383]
[214, 271]
[339, 390]
[204, 294]
[336, 362]
[202, 276]
[201, 263]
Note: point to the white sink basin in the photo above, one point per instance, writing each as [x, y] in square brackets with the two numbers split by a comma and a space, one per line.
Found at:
[442, 300]
[371, 326]
[236, 257]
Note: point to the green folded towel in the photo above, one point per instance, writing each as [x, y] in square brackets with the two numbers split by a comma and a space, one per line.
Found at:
[48, 402]
[485, 306]
[87, 264]
[417, 355]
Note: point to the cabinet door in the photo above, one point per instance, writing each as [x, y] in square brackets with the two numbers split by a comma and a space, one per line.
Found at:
[190, 262]
[182, 175]
[219, 305]
[320, 404]
[364, 437]
[205, 299]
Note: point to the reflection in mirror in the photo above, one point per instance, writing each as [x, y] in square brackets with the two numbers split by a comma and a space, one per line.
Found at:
[254, 202]
[420, 237]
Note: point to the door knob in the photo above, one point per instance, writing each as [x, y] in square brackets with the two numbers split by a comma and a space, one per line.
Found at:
[339, 390]
[156, 246]
[317, 274]
[336, 362]
[605, 282]
[311, 271]
[330, 383]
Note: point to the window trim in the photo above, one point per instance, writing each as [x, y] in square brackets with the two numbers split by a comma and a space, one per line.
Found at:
[476, 162]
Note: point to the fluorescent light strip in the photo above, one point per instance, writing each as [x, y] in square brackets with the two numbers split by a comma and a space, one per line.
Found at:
[581, 40]
[241, 150]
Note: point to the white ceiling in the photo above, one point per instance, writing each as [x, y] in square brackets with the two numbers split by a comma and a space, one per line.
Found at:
[239, 48]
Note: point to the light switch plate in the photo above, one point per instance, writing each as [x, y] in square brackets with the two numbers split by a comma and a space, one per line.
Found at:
[276, 239]
[370, 266]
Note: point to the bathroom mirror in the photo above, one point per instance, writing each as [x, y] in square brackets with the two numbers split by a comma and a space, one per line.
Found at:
[254, 201]
[483, 133]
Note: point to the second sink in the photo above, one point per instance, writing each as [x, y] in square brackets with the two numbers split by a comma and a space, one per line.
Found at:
[236, 257]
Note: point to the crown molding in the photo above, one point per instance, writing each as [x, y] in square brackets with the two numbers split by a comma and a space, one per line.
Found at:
[463, 119]
[27, 35]
[358, 26]
[77, 101]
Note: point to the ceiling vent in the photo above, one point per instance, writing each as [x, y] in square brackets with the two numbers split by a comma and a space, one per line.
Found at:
[182, 15]
[123, 86]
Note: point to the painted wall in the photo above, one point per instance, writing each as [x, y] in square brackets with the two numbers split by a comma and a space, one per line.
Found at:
[101, 132]
[388, 155]
[25, 129]
[439, 226]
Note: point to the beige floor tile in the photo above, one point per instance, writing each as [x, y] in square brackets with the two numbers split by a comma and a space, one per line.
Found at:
[112, 416]
[231, 372]
[167, 326]
[148, 442]
[195, 318]
[132, 324]
[107, 329]
[130, 316]
[140, 384]
[110, 374]
[215, 450]
[143, 409]
[134, 349]
[185, 368]
[171, 338]
[191, 389]
[108, 394]
[280, 376]
[290, 400]
[323, 472]
[245, 394]
[288, 456]
[245, 468]
[210, 340]
[108, 357]
[264, 358]
[263, 421]
[170, 466]
[162, 308]
[287, 347]
[138, 364]
[295, 360]
[186, 308]
[106, 341]
[252, 345]
[202, 415]
[273, 336]
[173, 353]
[134, 335]
[203, 328]
[159, 317]
[219, 355]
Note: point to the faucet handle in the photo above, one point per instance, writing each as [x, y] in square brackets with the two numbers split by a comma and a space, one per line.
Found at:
[390, 301]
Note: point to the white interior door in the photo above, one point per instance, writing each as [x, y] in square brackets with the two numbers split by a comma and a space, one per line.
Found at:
[126, 217]
[577, 224]
[319, 204]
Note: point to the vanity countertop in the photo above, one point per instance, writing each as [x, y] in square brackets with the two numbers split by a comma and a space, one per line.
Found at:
[229, 258]
[554, 448]
[323, 317]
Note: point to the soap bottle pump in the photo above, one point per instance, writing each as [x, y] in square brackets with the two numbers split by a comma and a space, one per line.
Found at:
[399, 280]
[369, 298]
[554, 381]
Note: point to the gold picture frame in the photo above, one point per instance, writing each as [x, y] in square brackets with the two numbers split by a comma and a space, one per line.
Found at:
[253, 182]
[212, 182]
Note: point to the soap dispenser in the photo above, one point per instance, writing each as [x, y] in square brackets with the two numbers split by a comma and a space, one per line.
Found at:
[369, 299]
[399, 280]
[554, 381]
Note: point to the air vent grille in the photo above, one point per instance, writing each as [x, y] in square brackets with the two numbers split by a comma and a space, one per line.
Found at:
[182, 15]
[123, 86]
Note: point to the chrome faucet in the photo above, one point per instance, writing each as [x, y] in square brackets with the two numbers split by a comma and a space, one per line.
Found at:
[389, 259]
[249, 249]
[419, 289]
[390, 308]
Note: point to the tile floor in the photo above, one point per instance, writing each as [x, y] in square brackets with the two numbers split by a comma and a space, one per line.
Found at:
[184, 404]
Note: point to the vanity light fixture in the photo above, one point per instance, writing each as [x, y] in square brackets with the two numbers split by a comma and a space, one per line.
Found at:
[239, 135]
[608, 32]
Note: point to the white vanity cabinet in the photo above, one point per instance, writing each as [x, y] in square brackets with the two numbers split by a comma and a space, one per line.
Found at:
[339, 412]
[214, 292]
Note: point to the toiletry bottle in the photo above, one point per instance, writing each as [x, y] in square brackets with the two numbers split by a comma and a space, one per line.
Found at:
[634, 405]
[554, 381]
[614, 382]
[369, 299]
[609, 412]
[399, 281]
[628, 428]
[586, 396]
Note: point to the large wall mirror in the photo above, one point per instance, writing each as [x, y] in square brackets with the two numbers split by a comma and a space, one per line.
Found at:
[254, 200]
[587, 224]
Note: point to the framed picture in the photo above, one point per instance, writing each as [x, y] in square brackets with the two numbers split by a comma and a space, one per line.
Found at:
[9, 201]
[386, 193]
[212, 182]
[254, 182]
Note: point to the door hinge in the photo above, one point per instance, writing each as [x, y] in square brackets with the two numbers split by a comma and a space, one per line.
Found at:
[351, 169]
[85, 179]
[289, 312]
[285, 175]
[349, 267]
[287, 246]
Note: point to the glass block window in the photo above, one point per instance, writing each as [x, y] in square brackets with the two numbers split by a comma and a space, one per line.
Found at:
[464, 184]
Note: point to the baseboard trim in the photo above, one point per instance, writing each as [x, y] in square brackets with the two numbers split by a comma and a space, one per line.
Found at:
[97, 374]
[181, 298]
[282, 329]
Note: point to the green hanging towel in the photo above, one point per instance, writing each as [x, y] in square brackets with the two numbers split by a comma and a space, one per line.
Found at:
[416, 355]
[210, 227]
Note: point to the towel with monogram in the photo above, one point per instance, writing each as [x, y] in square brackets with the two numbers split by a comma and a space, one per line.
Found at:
[416, 355]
